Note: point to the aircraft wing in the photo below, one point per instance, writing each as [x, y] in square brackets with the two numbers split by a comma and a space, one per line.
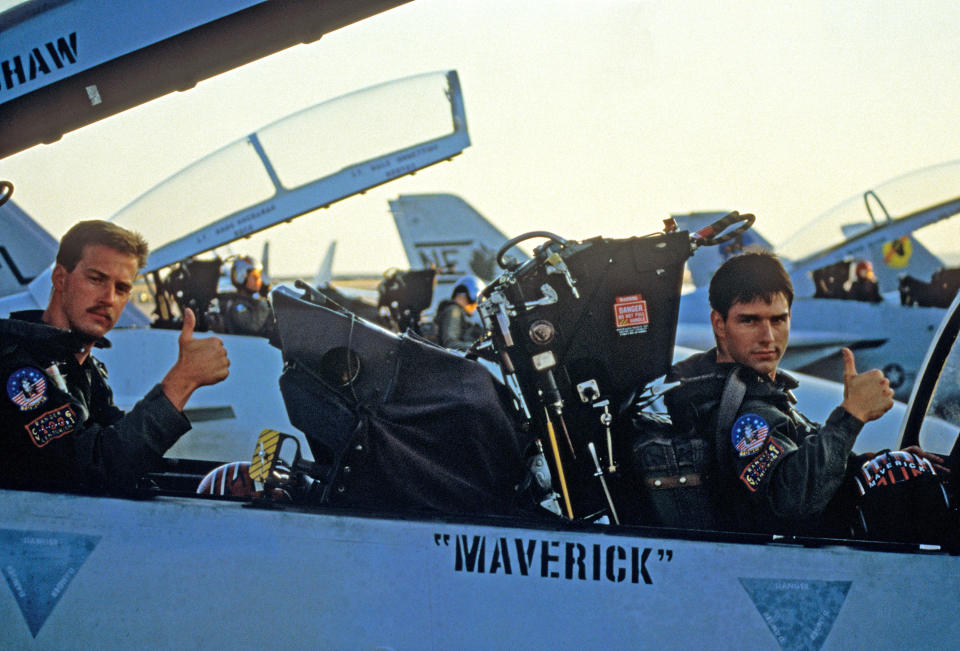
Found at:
[66, 64]
[305, 161]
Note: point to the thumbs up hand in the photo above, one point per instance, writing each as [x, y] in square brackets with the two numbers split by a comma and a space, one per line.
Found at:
[200, 362]
[189, 323]
[205, 358]
[867, 396]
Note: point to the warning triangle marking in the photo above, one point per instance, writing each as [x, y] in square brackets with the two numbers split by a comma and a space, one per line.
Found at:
[38, 567]
[800, 613]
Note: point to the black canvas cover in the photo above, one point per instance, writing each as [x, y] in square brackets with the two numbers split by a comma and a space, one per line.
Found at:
[404, 424]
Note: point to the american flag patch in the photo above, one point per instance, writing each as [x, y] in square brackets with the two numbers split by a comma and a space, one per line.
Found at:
[749, 433]
[27, 388]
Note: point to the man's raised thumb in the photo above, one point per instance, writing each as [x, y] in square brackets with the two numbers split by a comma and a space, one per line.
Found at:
[189, 322]
[849, 367]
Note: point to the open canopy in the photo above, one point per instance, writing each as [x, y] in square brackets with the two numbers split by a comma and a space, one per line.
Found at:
[305, 161]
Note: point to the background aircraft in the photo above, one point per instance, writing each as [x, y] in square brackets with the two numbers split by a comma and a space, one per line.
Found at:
[445, 228]
[444, 232]
[26, 249]
[859, 228]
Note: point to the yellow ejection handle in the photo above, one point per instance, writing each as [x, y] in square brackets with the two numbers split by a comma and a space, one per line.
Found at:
[556, 458]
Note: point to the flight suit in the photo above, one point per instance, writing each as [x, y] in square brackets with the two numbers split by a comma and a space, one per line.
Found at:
[774, 470]
[454, 327]
[61, 428]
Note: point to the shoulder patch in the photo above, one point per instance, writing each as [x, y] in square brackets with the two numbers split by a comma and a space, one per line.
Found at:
[52, 425]
[754, 473]
[27, 388]
[748, 434]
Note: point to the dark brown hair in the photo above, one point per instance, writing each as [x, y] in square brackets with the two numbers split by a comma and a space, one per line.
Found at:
[745, 278]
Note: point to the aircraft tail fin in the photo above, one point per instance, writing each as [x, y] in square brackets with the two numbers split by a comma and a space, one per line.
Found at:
[708, 259]
[445, 232]
[325, 271]
[902, 257]
[265, 259]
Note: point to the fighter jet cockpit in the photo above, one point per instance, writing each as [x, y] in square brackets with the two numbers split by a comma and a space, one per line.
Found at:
[548, 416]
[849, 280]
[530, 421]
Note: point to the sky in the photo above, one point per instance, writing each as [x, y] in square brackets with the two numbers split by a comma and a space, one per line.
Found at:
[586, 118]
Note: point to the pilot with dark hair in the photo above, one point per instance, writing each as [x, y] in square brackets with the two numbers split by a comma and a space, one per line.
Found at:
[775, 471]
[62, 429]
[247, 310]
[455, 328]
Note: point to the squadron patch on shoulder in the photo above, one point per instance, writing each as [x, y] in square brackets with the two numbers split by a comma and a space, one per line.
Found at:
[52, 425]
[749, 434]
[27, 388]
[753, 474]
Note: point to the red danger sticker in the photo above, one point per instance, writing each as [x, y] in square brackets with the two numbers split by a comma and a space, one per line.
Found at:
[630, 312]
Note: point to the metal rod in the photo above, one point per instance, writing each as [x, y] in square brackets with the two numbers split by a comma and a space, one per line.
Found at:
[556, 458]
[603, 482]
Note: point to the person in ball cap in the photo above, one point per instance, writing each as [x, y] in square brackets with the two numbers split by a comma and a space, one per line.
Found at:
[456, 329]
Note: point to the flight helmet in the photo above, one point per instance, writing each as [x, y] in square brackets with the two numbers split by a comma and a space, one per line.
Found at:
[469, 285]
[241, 268]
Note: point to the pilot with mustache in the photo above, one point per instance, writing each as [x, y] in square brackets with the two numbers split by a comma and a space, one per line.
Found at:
[62, 430]
[774, 470]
